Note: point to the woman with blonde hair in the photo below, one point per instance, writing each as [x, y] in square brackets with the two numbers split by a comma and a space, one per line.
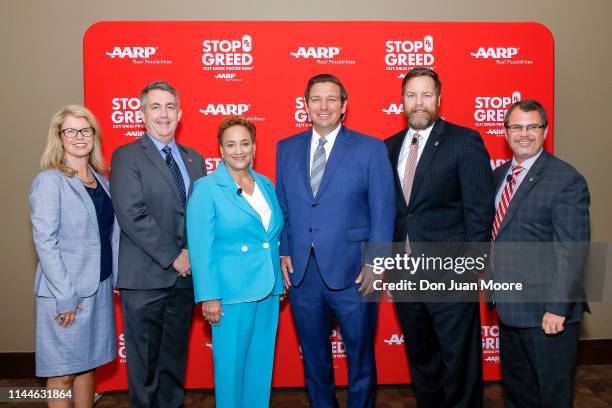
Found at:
[75, 235]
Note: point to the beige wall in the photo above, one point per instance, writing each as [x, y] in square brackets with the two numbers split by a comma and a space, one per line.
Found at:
[40, 43]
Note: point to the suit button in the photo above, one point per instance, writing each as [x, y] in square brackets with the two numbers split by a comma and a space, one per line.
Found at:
[266, 245]
[314, 204]
[245, 248]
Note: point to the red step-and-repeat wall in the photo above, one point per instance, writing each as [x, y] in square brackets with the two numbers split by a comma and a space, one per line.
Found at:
[259, 70]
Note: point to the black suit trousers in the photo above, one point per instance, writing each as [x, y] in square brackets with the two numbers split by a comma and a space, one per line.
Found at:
[444, 347]
[537, 368]
[156, 326]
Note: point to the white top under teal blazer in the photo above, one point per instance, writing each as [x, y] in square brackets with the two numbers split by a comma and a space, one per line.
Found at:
[233, 258]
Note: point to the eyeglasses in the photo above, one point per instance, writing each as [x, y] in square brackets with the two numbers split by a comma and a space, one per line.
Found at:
[514, 129]
[71, 133]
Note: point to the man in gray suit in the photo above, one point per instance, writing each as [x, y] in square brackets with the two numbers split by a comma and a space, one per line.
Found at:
[150, 183]
[540, 234]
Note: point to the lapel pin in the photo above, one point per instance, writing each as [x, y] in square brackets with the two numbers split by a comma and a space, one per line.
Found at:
[189, 160]
[437, 143]
[531, 179]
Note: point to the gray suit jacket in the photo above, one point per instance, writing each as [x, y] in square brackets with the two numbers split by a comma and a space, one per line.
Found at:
[67, 239]
[150, 213]
[543, 240]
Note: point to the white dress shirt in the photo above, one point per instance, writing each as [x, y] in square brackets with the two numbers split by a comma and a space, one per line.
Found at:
[403, 156]
[260, 205]
[314, 142]
[519, 178]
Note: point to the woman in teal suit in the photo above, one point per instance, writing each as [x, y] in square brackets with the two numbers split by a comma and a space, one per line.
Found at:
[233, 227]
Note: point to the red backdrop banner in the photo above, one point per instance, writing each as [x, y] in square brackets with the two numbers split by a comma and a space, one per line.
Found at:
[259, 70]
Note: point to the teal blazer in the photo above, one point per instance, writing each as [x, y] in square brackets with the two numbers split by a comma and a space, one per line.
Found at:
[233, 258]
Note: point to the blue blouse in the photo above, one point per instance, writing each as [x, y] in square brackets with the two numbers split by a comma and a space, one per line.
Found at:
[106, 216]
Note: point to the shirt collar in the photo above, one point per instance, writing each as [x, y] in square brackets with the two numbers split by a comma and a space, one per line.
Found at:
[331, 137]
[160, 145]
[423, 133]
[527, 163]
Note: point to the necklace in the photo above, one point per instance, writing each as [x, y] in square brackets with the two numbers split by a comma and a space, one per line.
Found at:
[91, 181]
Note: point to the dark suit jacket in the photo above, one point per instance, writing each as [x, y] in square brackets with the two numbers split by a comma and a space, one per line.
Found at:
[354, 204]
[151, 214]
[543, 241]
[452, 197]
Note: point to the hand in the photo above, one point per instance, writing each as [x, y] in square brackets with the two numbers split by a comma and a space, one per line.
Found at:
[286, 268]
[552, 323]
[182, 265]
[284, 295]
[212, 311]
[366, 280]
[68, 318]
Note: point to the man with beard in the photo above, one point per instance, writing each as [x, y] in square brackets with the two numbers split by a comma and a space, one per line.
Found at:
[444, 194]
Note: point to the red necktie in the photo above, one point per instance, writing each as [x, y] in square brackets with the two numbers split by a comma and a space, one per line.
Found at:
[504, 203]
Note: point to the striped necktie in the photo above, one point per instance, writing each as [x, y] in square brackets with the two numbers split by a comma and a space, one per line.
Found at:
[318, 166]
[409, 171]
[504, 202]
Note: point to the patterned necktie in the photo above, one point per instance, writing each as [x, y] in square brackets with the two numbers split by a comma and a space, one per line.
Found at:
[504, 202]
[410, 169]
[318, 166]
[176, 173]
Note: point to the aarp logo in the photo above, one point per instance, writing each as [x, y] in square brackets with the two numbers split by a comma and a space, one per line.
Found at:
[394, 109]
[132, 52]
[495, 52]
[501, 55]
[395, 340]
[225, 109]
[316, 52]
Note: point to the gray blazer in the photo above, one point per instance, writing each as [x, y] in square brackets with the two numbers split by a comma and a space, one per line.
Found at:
[67, 239]
[151, 214]
[543, 241]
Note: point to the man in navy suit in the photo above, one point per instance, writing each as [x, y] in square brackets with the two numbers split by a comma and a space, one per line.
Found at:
[335, 187]
[445, 195]
[541, 234]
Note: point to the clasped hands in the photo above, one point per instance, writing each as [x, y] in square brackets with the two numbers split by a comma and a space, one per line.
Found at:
[182, 264]
[68, 318]
[212, 310]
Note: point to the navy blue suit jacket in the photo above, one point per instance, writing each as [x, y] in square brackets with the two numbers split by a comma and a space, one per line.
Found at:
[543, 240]
[452, 198]
[355, 204]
